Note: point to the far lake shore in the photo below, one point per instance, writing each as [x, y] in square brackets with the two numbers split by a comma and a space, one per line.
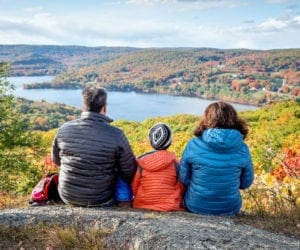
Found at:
[129, 105]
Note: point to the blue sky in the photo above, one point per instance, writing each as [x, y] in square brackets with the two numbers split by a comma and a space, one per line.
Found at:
[253, 24]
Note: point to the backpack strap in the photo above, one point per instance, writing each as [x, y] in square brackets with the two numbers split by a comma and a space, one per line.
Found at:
[140, 170]
[148, 153]
[53, 194]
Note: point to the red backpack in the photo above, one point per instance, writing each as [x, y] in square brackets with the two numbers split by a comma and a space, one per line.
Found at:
[46, 190]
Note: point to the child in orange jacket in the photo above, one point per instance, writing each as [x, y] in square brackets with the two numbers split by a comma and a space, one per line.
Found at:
[156, 185]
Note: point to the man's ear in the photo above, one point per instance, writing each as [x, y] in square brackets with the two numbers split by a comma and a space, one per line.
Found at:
[103, 110]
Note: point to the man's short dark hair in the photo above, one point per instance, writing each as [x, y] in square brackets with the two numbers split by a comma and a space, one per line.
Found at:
[94, 98]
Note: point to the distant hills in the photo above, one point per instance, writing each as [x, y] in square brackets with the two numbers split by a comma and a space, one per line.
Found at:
[236, 75]
[36, 60]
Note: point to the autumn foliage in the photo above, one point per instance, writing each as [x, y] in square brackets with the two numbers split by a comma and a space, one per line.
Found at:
[289, 166]
[49, 165]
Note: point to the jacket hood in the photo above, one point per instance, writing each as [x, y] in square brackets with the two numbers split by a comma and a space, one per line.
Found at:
[223, 139]
[156, 160]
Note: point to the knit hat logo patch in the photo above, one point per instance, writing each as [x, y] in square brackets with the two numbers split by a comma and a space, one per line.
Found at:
[160, 136]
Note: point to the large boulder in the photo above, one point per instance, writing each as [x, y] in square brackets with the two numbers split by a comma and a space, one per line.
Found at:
[133, 229]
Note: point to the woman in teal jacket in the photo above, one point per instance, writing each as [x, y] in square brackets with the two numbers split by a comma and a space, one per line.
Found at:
[216, 163]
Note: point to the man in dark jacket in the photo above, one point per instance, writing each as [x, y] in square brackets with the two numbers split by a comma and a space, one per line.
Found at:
[91, 154]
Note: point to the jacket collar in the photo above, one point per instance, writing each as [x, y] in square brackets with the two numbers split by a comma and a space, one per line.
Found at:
[95, 116]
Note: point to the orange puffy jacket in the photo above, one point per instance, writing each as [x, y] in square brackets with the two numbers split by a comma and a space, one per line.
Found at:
[155, 185]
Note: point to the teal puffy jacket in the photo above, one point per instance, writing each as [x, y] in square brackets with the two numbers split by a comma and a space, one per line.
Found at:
[214, 166]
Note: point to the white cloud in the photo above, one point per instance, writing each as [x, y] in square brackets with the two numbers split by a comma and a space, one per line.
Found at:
[271, 33]
[33, 9]
[280, 1]
[271, 25]
[149, 2]
[20, 38]
[39, 28]
[47, 28]
[191, 4]
[279, 25]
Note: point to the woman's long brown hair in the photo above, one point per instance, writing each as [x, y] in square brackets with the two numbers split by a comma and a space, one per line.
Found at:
[221, 115]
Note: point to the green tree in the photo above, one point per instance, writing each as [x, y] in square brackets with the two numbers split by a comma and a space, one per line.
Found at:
[17, 146]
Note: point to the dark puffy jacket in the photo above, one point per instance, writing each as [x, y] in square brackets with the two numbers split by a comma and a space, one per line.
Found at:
[90, 153]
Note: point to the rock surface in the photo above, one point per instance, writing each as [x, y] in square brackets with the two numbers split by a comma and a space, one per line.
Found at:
[133, 229]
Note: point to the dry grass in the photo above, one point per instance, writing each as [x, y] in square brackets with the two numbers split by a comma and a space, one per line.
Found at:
[51, 237]
[8, 201]
[287, 223]
[46, 236]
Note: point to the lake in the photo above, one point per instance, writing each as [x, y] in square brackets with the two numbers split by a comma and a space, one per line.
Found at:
[121, 105]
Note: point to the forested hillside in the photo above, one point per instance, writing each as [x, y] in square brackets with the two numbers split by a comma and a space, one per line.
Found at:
[36, 60]
[238, 75]
[40, 115]
[244, 76]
